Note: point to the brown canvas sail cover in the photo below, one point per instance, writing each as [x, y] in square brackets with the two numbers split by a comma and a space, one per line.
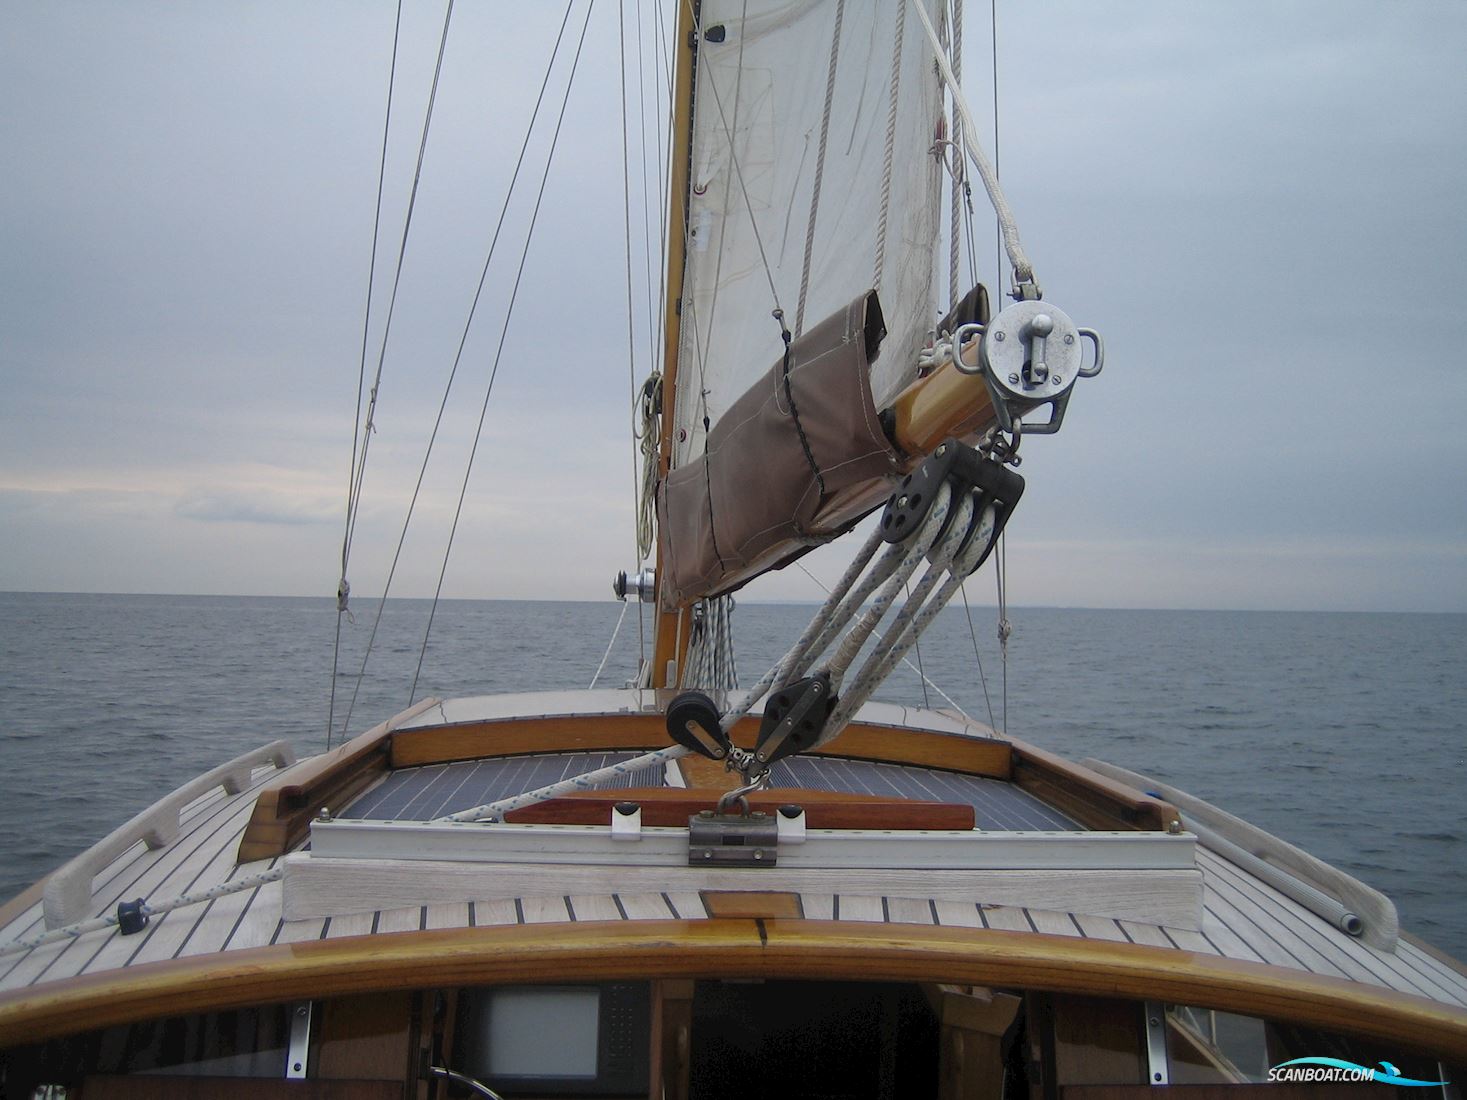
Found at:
[756, 498]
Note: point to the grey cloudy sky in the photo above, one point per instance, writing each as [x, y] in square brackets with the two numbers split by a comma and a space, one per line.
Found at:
[1259, 205]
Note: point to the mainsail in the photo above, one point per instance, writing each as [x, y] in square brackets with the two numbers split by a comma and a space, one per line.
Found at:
[812, 182]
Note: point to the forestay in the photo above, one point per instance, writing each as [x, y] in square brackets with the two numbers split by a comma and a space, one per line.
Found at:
[812, 169]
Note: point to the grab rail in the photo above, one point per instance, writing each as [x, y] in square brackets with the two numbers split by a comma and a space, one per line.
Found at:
[67, 896]
[1327, 891]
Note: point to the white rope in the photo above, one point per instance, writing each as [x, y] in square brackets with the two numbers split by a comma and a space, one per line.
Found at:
[1023, 269]
[910, 625]
[954, 238]
[649, 439]
[840, 10]
[149, 909]
[916, 549]
[588, 781]
[900, 558]
[933, 684]
[710, 663]
[886, 156]
[615, 631]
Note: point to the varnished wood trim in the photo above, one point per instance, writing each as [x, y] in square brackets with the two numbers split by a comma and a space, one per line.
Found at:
[945, 403]
[728, 948]
[284, 807]
[672, 806]
[1092, 799]
[671, 632]
[744, 903]
[609, 732]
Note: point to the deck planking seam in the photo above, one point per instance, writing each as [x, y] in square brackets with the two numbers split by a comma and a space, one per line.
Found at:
[190, 818]
[1409, 951]
[1264, 942]
[170, 861]
[1401, 974]
[1354, 958]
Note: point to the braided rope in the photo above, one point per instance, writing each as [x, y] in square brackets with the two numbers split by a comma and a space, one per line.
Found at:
[840, 10]
[1023, 269]
[886, 158]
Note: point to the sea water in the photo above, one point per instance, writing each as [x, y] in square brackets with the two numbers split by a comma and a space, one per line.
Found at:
[1342, 733]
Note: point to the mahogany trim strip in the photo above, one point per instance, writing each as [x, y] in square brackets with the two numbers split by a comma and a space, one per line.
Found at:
[672, 806]
[727, 948]
[627, 731]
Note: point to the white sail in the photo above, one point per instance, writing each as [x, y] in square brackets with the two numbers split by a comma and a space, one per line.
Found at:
[811, 169]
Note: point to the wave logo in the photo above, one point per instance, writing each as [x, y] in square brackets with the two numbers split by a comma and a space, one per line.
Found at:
[1335, 1070]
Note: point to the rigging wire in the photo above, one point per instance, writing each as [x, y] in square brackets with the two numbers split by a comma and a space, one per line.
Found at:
[641, 502]
[972, 633]
[368, 427]
[499, 351]
[743, 188]
[443, 404]
[921, 673]
[343, 589]
[906, 661]
[707, 338]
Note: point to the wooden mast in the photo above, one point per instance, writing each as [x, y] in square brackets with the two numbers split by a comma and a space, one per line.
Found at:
[670, 633]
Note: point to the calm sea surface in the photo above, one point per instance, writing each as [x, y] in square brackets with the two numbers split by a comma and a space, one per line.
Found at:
[1340, 732]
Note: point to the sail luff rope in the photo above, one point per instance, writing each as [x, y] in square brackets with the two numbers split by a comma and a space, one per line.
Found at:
[840, 9]
[499, 351]
[889, 148]
[458, 356]
[954, 240]
[343, 588]
[1023, 269]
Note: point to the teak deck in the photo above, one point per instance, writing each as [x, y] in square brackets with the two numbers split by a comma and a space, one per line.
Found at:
[1244, 919]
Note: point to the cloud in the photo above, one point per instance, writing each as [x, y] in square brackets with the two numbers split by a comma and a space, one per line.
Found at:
[255, 507]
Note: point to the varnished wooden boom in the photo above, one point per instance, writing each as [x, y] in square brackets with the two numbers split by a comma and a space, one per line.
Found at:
[945, 403]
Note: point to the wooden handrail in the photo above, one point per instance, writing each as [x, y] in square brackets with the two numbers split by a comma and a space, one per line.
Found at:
[283, 812]
[594, 951]
[1094, 800]
[67, 895]
[1281, 864]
